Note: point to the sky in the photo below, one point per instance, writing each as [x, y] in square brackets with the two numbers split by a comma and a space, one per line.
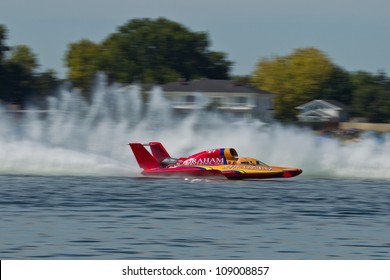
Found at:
[355, 34]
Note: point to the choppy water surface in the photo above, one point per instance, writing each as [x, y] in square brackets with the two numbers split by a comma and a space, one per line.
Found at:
[57, 217]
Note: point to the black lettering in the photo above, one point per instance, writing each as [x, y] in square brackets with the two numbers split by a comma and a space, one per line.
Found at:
[124, 271]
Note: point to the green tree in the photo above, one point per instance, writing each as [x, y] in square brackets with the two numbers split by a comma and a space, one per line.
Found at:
[295, 79]
[23, 56]
[20, 69]
[216, 66]
[45, 84]
[338, 87]
[81, 59]
[17, 84]
[19, 81]
[148, 51]
[158, 51]
[371, 96]
[3, 47]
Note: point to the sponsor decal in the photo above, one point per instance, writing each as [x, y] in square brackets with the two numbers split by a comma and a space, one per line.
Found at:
[253, 167]
[203, 161]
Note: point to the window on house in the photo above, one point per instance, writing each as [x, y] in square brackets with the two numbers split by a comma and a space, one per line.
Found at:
[241, 100]
[216, 100]
[189, 99]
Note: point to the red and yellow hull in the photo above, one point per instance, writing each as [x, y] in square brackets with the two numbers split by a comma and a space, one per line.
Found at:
[228, 171]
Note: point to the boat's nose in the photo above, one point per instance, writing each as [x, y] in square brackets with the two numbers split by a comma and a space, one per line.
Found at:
[291, 172]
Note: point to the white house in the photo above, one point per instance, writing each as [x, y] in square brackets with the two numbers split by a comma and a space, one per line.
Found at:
[322, 111]
[236, 100]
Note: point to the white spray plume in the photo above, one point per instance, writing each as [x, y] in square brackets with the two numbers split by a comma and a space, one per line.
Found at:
[77, 138]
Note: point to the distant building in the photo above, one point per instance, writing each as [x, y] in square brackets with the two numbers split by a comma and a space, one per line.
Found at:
[322, 111]
[233, 99]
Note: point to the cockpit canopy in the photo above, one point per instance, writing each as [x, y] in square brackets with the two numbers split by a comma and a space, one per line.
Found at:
[230, 154]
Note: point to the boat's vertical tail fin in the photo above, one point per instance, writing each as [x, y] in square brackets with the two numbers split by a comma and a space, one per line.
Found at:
[144, 158]
[158, 151]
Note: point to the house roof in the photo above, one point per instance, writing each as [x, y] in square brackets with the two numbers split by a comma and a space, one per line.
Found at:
[330, 103]
[207, 85]
[316, 114]
[337, 104]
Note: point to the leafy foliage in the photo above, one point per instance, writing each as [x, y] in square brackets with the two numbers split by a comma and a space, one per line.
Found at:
[3, 47]
[18, 78]
[302, 76]
[81, 59]
[147, 51]
[22, 55]
[371, 96]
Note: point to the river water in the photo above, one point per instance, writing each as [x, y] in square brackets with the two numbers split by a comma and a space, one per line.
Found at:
[62, 217]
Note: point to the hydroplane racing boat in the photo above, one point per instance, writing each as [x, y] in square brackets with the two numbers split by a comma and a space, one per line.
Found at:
[222, 162]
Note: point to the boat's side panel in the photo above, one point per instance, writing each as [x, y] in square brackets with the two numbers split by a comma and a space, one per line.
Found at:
[249, 171]
[183, 172]
[236, 172]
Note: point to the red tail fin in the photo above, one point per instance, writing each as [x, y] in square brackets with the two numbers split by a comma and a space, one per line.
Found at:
[144, 158]
[158, 151]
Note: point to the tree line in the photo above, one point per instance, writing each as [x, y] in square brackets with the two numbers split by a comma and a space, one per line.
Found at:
[19, 81]
[308, 74]
[157, 51]
[147, 51]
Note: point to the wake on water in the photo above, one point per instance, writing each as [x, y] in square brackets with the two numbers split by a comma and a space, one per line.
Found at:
[79, 138]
